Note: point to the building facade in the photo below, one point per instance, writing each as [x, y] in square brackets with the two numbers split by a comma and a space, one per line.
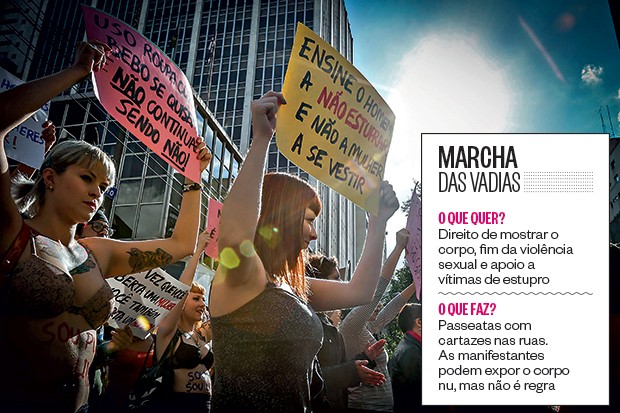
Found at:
[235, 51]
[19, 33]
[231, 51]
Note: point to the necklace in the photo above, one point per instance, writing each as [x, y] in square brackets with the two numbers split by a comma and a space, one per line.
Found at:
[192, 335]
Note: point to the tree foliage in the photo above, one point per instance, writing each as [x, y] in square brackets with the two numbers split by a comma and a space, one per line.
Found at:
[417, 189]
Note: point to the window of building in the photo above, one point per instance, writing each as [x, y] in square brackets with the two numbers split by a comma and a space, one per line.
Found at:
[156, 166]
[218, 147]
[114, 132]
[128, 191]
[216, 168]
[110, 150]
[71, 132]
[235, 169]
[227, 157]
[124, 221]
[75, 113]
[225, 178]
[200, 123]
[208, 136]
[132, 166]
[150, 221]
[154, 189]
[135, 146]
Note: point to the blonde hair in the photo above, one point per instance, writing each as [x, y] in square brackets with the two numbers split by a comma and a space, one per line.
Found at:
[29, 195]
[197, 288]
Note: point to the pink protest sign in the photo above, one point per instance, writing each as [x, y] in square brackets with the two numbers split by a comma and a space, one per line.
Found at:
[413, 250]
[145, 92]
[213, 226]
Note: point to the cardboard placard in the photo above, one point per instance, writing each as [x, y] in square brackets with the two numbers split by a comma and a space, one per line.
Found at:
[335, 125]
[145, 92]
[142, 300]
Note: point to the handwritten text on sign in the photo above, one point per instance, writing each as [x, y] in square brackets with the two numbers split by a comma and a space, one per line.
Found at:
[145, 92]
[24, 143]
[213, 227]
[335, 125]
[148, 295]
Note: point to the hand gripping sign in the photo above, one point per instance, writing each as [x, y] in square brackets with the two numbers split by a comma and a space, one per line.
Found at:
[145, 92]
[335, 125]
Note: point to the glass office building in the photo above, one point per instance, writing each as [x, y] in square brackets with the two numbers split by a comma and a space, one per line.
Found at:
[231, 51]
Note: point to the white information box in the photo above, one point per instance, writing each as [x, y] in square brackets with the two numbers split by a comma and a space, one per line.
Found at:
[515, 269]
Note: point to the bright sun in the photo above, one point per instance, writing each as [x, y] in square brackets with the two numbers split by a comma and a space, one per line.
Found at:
[445, 84]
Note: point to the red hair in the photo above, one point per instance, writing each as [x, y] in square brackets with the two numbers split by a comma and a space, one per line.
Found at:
[279, 235]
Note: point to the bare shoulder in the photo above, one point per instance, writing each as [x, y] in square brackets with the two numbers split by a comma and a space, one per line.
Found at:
[227, 297]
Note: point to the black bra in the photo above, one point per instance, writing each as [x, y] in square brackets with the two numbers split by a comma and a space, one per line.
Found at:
[187, 356]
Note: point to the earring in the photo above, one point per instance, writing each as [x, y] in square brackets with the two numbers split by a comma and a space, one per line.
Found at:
[51, 188]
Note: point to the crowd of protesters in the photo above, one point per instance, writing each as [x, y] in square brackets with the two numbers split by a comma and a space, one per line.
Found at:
[271, 339]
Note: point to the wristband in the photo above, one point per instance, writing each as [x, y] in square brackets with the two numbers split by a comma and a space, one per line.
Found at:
[192, 187]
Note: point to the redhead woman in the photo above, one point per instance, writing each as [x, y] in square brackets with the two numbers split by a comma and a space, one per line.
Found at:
[53, 292]
[266, 333]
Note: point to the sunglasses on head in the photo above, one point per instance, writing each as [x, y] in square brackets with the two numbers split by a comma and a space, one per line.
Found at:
[99, 227]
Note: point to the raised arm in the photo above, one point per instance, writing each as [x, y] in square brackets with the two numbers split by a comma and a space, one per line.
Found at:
[391, 309]
[19, 103]
[168, 326]
[355, 322]
[329, 295]
[187, 277]
[127, 257]
[402, 236]
[241, 274]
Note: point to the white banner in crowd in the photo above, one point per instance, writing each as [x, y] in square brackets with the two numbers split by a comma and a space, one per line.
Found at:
[142, 300]
[24, 143]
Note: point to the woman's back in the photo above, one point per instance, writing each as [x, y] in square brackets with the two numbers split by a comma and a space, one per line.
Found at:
[264, 352]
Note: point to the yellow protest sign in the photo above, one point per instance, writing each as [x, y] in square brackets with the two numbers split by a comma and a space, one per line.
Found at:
[335, 125]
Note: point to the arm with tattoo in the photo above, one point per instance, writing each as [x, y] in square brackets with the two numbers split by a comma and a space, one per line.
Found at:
[145, 260]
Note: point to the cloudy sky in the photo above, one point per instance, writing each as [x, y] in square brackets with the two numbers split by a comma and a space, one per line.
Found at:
[486, 66]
